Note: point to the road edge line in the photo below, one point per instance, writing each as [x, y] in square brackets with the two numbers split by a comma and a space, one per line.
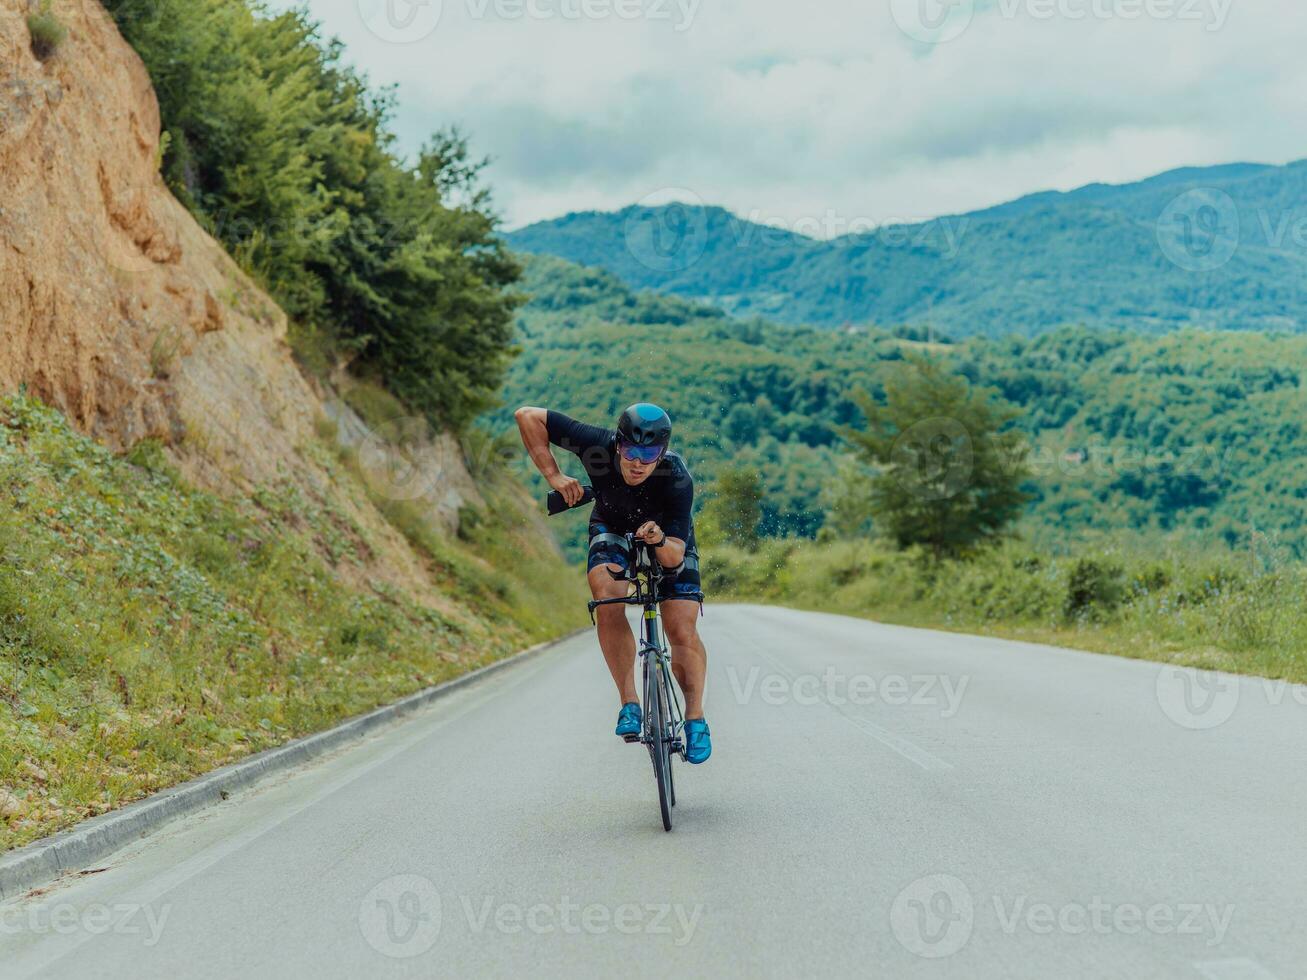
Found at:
[44, 861]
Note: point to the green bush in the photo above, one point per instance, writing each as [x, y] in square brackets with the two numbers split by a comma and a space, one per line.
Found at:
[284, 153]
[1093, 587]
[47, 31]
[375, 406]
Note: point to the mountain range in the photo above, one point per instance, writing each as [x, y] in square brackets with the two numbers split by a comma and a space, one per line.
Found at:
[1216, 247]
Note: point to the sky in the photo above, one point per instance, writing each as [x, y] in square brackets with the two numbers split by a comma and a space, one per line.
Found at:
[821, 115]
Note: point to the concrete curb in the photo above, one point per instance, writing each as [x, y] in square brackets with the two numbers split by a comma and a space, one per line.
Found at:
[92, 840]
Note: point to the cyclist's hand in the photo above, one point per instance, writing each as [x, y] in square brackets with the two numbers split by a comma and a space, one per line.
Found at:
[569, 487]
[650, 532]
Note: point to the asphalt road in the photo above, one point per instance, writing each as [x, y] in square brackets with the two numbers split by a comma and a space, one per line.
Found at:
[881, 802]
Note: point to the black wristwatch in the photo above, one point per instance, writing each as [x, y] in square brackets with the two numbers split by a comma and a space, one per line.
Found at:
[660, 543]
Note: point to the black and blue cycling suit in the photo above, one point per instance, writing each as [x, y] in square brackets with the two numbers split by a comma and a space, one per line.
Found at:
[667, 497]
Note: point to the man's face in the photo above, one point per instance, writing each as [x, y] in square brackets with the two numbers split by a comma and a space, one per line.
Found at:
[633, 471]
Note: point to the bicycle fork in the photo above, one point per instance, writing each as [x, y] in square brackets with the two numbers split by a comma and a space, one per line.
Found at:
[661, 666]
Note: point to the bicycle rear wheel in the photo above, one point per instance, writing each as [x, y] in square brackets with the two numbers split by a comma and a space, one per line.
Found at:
[655, 723]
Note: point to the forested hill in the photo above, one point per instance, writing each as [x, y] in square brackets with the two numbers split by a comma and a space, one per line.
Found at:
[1197, 433]
[1220, 247]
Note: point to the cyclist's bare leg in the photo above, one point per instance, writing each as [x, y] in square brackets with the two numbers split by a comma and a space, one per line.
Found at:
[615, 636]
[689, 658]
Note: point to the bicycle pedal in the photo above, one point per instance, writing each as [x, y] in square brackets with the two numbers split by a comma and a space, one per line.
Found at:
[628, 739]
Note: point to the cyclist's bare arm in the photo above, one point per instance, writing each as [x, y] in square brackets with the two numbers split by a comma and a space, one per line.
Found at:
[532, 423]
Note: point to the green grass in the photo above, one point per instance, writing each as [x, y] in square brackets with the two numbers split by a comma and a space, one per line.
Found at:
[376, 406]
[1243, 613]
[150, 632]
[46, 30]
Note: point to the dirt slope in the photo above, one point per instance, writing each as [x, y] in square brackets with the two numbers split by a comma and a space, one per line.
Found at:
[116, 307]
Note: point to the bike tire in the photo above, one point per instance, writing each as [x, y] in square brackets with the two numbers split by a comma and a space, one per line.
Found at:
[667, 700]
[655, 713]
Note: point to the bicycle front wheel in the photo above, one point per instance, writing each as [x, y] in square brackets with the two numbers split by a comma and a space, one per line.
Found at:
[655, 722]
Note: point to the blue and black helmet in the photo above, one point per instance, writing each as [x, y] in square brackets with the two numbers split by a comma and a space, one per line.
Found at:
[644, 430]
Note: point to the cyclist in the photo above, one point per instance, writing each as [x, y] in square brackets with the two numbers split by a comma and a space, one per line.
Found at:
[641, 488]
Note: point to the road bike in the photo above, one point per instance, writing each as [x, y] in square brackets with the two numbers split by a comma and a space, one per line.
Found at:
[663, 722]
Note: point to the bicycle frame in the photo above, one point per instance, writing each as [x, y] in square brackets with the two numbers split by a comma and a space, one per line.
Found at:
[663, 724]
[645, 572]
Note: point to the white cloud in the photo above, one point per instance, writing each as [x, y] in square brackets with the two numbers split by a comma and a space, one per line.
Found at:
[789, 111]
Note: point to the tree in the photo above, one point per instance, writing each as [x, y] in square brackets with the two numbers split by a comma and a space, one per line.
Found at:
[846, 500]
[948, 468]
[734, 507]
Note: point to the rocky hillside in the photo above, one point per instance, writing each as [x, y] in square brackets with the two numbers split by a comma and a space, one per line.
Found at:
[119, 310]
[203, 551]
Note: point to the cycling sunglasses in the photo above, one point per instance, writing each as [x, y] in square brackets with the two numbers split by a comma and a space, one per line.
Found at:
[641, 454]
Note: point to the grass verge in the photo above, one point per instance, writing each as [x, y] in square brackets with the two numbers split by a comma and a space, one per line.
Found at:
[150, 632]
[1242, 614]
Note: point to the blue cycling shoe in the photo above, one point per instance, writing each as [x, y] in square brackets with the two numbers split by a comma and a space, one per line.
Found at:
[698, 741]
[628, 721]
